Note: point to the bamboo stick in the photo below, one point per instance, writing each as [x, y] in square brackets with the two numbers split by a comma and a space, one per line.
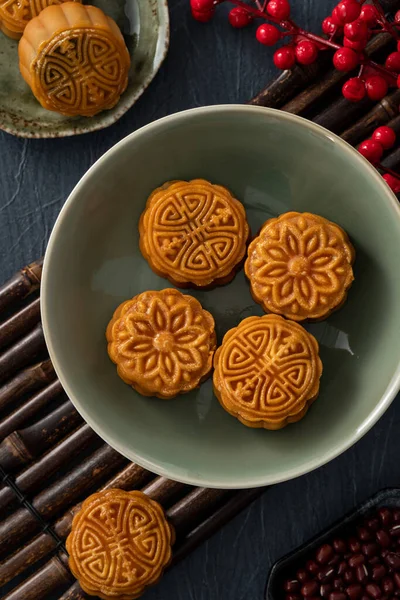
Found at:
[51, 579]
[188, 512]
[19, 324]
[23, 352]
[26, 382]
[165, 491]
[385, 112]
[23, 283]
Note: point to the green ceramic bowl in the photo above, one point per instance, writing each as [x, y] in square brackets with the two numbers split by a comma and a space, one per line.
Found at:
[273, 162]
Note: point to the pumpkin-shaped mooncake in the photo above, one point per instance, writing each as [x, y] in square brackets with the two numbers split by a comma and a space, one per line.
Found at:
[267, 372]
[162, 342]
[194, 233]
[75, 59]
[300, 266]
[120, 543]
[16, 14]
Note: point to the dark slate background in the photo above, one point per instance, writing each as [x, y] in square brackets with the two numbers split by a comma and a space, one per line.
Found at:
[206, 64]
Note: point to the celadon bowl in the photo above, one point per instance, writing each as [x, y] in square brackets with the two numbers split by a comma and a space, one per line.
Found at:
[273, 162]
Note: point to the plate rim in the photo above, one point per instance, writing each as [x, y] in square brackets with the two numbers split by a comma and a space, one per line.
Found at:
[393, 385]
[109, 119]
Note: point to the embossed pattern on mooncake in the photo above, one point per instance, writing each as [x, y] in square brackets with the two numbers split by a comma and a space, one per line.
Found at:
[78, 64]
[267, 372]
[162, 342]
[16, 14]
[119, 544]
[300, 266]
[193, 233]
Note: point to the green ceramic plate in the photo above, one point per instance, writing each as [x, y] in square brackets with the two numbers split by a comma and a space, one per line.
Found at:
[145, 25]
[273, 162]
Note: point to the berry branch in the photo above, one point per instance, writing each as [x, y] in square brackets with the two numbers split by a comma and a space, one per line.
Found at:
[347, 31]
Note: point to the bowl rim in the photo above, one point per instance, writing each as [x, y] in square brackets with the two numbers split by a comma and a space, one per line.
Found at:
[172, 472]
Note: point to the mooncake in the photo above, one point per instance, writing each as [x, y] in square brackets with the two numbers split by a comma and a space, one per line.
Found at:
[267, 372]
[16, 14]
[162, 343]
[74, 59]
[120, 543]
[300, 266]
[193, 233]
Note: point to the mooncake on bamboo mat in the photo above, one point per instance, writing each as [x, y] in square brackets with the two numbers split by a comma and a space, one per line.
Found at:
[74, 59]
[193, 233]
[120, 543]
[267, 372]
[162, 342]
[16, 14]
[300, 266]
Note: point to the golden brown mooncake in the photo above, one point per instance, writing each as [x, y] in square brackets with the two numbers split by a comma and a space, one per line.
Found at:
[267, 372]
[300, 266]
[120, 543]
[193, 233]
[74, 59]
[162, 343]
[16, 14]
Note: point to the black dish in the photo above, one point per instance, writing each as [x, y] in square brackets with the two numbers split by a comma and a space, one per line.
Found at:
[285, 566]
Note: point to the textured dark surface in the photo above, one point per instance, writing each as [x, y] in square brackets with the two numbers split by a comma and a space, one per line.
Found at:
[207, 64]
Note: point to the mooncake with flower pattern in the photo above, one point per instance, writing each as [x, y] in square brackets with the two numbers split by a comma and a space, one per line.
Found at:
[162, 342]
[120, 543]
[194, 233]
[16, 14]
[300, 266]
[267, 372]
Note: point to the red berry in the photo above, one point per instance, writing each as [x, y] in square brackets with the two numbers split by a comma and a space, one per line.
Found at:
[356, 31]
[203, 16]
[393, 62]
[371, 150]
[348, 10]
[369, 14]
[267, 34]
[397, 17]
[306, 52]
[285, 57]
[354, 89]
[385, 136]
[239, 17]
[392, 182]
[336, 18]
[345, 59]
[202, 10]
[280, 9]
[357, 46]
[376, 87]
[328, 26]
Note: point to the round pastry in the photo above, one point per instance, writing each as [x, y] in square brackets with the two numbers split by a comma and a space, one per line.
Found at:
[267, 372]
[74, 59]
[15, 14]
[300, 266]
[193, 233]
[162, 343]
[120, 543]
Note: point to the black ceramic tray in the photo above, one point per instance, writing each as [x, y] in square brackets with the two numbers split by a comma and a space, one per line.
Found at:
[285, 566]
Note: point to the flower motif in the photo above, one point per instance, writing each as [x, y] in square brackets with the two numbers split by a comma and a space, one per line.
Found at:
[162, 342]
[300, 266]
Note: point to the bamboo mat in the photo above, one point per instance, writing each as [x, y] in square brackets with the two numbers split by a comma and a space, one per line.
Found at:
[50, 460]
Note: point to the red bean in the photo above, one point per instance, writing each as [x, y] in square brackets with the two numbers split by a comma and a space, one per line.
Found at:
[373, 524]
[335, 560]
[302, 575]
[375, 560]
[293, 597]
[338, 584]
[310, 588]
[326, 574]
[354, 545]
[370, 549]
[378, 572]
[364, 534]
[392, 559]
[337, 596]
[339, 546]
[384, 538]
[349, 576]
[385, 515]
[342, 567]
[396, 579]
[324, 554]
[325, 589]
[373, 590]
[362, 574]
[395, 531]
[312, 567]
[291, 585]
[356, 560]
[365, 598]
[354, 591]
[396, 515]
[387, 585]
